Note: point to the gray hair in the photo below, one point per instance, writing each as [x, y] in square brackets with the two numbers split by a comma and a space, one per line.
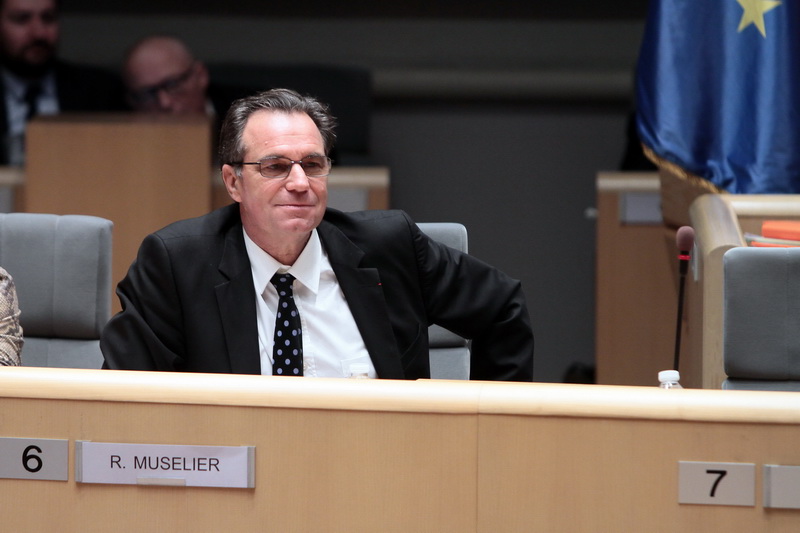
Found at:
[231, 146]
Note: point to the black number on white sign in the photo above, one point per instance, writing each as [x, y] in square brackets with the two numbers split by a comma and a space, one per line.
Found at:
[721, 474]
[30, 461]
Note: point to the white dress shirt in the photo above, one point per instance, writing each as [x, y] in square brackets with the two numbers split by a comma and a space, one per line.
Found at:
[331, 340]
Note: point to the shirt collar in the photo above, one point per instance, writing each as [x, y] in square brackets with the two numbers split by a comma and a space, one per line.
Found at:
[306, 269]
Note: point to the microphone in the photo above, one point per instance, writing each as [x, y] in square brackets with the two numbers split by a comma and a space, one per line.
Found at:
[685, 241]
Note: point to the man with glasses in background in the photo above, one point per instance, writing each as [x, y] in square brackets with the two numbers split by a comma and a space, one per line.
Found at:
[278, 284]
[162, 76]
[34, 81]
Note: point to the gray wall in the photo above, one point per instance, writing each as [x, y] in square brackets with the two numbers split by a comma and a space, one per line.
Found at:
[499, 124]
[521, 180]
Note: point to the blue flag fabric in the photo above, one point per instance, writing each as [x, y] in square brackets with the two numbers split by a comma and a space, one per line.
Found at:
[718, 91]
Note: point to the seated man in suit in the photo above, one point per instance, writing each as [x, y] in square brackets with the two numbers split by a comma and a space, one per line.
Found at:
[275, 283]
[10, 330]
[33, 81]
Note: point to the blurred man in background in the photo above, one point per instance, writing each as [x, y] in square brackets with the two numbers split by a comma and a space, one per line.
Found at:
[162, 76]
[34, 81]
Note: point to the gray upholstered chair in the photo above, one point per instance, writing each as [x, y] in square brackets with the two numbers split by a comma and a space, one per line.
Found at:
[449, 353]
[62, 270]
[761, 318]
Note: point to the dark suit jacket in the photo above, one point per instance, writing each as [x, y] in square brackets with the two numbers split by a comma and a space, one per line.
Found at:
[189, 302]
[79, 88]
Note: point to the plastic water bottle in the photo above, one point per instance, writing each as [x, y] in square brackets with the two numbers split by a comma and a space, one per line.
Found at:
[669, 379]
[359, 371]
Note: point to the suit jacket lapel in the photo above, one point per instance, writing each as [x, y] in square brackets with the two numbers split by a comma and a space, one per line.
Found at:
[362, 289]
[235, 298]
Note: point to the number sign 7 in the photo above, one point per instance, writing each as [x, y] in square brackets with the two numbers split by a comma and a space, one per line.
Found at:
[720, 474]
[702, 483]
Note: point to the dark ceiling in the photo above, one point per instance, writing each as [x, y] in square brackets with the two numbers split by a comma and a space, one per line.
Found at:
[496, 9]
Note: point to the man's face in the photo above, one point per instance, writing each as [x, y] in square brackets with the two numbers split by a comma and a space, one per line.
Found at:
[163, 79]
[279, 212]
[28, 35]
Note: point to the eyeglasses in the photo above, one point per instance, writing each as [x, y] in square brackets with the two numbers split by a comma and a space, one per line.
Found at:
[149, 95]
[315, 166]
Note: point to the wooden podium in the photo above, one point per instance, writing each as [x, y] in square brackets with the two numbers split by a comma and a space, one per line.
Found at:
[372, 455]
[637, 276]
[140, 171]
[636, 281]
[720, 222]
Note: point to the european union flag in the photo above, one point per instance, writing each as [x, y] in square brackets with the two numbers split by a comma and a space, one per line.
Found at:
[718, 91]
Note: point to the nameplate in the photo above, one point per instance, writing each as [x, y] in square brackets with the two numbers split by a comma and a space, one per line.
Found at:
[45, 459]
[165, 465]
[781, 487]
[717, 483]
[640, 208]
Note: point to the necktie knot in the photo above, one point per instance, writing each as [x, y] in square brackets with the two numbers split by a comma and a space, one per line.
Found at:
[282, 282]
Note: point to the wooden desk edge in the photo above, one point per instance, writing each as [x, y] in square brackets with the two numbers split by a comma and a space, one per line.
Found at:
[425, 396]
[369, 177]
[715, 223]
[761, 205]
[609, 181]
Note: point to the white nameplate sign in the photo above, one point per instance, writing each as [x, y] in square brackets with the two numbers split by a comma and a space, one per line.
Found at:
[34, 458]
[781, 487]
[165, 464]
[717, 483]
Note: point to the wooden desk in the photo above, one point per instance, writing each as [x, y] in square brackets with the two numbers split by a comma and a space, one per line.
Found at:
[719, 222]
[139, 171]
[369, 455]
[636, 283]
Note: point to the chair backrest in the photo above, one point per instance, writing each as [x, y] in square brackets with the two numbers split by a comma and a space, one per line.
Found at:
[346, 89]
[761, 318]
[61, 265]
[449, 353]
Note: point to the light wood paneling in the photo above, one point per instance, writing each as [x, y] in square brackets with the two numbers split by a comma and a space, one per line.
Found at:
[636, 287]
[142, 172]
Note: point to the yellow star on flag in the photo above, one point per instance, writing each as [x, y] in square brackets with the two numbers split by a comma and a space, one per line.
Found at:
[754, 13]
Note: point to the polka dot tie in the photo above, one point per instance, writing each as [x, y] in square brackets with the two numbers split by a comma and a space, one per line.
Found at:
[287, 351]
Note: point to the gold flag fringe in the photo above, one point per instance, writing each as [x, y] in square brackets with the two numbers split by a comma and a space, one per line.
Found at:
[680, 172]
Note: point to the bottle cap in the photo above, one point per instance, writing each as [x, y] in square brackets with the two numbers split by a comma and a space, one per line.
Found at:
[668, 375]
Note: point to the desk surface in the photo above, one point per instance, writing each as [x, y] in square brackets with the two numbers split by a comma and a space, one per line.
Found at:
[374, 455]
[422, 396]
